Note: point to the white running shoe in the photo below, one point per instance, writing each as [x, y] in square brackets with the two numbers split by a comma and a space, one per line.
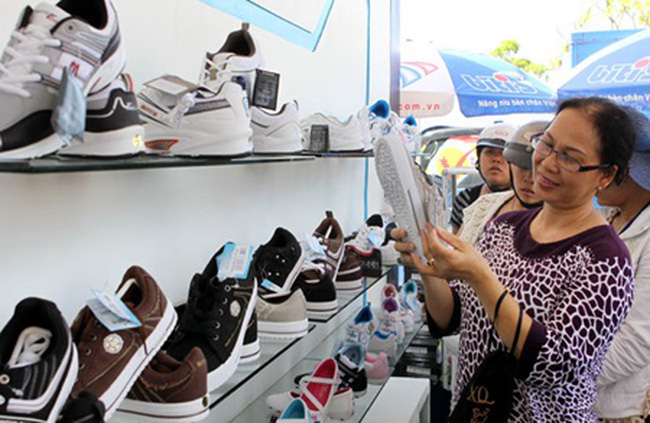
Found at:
[414, 200]
[277, 133]
[343, 136]
[240, 55]
[113, 125]
[76, 34]
[374, 122]
[202, 122]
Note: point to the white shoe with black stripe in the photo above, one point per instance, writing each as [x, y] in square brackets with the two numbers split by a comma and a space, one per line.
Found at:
[39, 363]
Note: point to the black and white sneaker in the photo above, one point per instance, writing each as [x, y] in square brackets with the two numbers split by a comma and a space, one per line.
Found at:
[279, 262]
[320, 292]
[39, 363]
[113, 125]
[216, 317]
[251, 350]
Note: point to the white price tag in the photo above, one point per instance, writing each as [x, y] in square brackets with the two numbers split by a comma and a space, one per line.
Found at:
[234, 261]
[171, 85]
[112, 312]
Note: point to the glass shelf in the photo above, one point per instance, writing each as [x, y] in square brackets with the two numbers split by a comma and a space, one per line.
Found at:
[328, 154]
[345, 298]
[56, 164]
[270, 350]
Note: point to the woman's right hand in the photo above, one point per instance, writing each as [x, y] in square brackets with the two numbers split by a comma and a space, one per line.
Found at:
[405, 249]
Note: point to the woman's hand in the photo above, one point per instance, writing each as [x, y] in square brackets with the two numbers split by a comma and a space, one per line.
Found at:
[458, 261]
[403, 248]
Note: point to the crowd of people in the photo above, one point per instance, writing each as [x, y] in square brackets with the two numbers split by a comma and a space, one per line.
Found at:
[571, 283]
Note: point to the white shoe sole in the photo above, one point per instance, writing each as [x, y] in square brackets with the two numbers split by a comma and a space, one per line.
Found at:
[221, 374]
[264, 145]
[283, 330]
[393, 165]
[197, 143]
[322, 310]
[121, 142]
[190, 411]
[114, 395]
[251, 352]
[353, 285]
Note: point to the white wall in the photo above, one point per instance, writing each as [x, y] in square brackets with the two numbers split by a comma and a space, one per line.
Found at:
[63, 234]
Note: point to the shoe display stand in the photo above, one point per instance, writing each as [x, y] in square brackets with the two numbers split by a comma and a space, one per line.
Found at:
[243, 398]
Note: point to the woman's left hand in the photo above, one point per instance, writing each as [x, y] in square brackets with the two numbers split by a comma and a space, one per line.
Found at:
[458, 261]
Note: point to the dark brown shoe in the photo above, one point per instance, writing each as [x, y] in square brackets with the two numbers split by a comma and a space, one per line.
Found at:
[169, 389]
[110, 362]
[349, 276]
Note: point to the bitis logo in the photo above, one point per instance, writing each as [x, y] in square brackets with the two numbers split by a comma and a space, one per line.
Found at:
[74, 68]
[621, 73]
[500, 82]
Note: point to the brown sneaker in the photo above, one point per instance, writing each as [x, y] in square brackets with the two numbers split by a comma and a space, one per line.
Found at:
[110, 362]
[330, 235]
[169, 389]
[349, 276]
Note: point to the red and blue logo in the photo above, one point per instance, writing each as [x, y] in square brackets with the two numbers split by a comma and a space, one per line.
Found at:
[621, 73]
[411, 72]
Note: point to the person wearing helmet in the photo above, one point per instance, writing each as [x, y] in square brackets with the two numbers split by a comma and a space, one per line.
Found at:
[492, 167]
[519, 155]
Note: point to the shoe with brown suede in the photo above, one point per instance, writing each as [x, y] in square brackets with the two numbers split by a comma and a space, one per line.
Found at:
[110, 362]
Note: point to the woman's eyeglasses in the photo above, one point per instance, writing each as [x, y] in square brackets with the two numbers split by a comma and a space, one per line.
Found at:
[566, 162]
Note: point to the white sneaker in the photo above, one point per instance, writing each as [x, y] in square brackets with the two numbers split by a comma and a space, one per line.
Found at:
[414, 200]
[113, 125]
[343, 136]
[282, 315]
[362, 327]
[390, 332]
[202, 122]
[76, 34]
[374, 121]
[277, 133]
[240, 55]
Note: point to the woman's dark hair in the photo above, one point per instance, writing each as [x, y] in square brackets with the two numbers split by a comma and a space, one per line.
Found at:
[614, 127]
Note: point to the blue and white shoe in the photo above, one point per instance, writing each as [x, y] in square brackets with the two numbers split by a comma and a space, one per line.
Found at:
[390, 332]
[362, 328]
[296, 412]
[408, 298]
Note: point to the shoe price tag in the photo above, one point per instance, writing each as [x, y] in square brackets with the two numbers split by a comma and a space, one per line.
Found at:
[69, 116]
[172, 85]
[112, 312]
[234, 261]
[375, 239]
[314, 246]
[270, 286]
[319, 138]
[267, 85]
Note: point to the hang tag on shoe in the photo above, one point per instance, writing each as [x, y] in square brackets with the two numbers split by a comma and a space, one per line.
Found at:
[319, 138]
[375, 239]
[270, 286]
[112, 312]
[69, 115]
[172, 85]
[234, 261]
[265, 93]
[314, 247]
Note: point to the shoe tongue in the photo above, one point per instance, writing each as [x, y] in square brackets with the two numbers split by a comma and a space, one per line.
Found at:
[48, 15]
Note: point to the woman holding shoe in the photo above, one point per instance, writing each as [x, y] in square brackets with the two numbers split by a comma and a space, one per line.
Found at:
[562, 264]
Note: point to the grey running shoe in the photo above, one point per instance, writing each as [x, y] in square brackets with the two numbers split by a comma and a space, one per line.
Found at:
[81, 35]
[408, 191]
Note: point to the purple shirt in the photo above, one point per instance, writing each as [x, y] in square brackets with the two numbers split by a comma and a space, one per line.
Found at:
[578, 291]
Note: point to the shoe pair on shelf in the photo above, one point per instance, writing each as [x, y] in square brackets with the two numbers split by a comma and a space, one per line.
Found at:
[97, 370]
[83, 37]
[331, 389]
[213, 117]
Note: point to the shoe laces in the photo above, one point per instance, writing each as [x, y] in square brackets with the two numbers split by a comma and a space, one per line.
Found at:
[34, 346]
[175, 115]
[17, 69]
[202, 312]
[216, 72]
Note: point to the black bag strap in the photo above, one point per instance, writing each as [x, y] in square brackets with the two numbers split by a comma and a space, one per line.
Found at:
[519, 320]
